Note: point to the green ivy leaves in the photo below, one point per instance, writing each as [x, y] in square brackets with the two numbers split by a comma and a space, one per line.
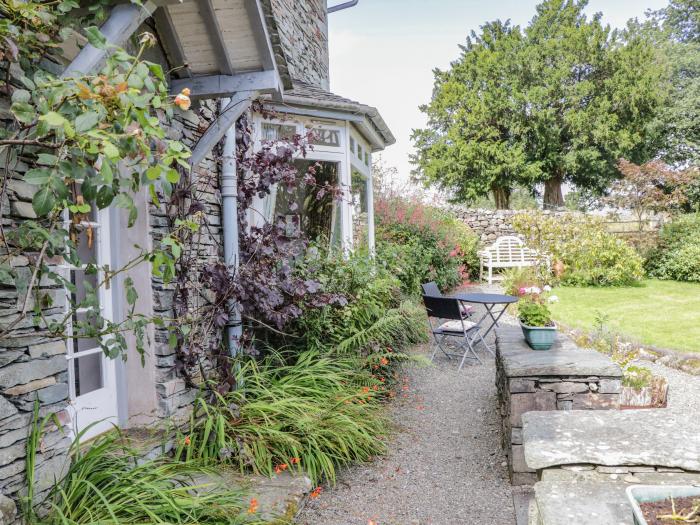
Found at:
[95, 37]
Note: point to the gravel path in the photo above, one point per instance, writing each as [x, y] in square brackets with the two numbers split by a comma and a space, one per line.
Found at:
[445, 465]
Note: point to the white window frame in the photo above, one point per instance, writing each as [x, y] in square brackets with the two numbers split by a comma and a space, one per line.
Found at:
[263, 209]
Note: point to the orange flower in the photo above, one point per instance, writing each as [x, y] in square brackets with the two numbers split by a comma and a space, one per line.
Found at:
[182, 99]
[281, 468]
[295, 461]
[365, 389]
[315, 493]
[187, 441]
[253, 508]
[384, 361]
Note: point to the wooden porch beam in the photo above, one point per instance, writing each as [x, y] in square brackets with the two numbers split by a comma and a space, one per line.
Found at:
[263, 44]
[215, 86]
[223, 58]
[172, 45]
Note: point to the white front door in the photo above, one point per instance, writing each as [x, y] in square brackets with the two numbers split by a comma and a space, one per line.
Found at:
[91, 375]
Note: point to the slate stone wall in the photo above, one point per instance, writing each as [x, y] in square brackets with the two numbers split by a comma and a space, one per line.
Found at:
[491, 224]
[303, 32]
[174, 399]
[550, 391]
[32, 366]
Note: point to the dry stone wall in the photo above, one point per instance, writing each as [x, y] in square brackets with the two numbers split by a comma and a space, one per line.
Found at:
[491, 224]
[561, 379]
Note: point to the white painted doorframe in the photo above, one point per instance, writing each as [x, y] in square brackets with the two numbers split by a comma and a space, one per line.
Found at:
[91, 375]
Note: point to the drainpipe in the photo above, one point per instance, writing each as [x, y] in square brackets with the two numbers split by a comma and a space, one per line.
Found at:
[344, 5]
[229, 205]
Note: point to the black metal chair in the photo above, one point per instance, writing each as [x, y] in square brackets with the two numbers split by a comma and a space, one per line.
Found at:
[451, 323]
[432, 290]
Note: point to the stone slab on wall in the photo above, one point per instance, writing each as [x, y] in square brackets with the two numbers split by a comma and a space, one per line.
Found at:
[561, 379]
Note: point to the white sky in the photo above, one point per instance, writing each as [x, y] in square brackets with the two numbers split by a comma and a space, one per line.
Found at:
[382, 52]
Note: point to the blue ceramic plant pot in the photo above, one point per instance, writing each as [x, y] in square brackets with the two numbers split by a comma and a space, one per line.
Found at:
[539, 337]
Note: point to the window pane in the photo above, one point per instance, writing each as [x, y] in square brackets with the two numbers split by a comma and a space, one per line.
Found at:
[87, 373]
[326, 137]
[360, 219]
[274, 132]
[79, 278]
[300, 210]
[80, 344]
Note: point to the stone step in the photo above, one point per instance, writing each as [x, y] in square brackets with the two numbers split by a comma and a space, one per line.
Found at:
[278, 498]
[583, 500]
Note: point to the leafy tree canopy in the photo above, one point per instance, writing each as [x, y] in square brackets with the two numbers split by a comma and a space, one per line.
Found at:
[676, 29]
[561, 100]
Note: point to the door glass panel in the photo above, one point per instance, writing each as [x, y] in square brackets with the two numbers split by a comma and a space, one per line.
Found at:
[300, 210]
[88, 373]
[80, 344]
[79, 278]
[85, 238]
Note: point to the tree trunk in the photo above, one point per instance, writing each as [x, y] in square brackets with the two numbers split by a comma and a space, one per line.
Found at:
[553, 197]
[502, 197]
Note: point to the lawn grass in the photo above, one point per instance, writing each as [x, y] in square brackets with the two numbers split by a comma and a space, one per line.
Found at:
[665, 314]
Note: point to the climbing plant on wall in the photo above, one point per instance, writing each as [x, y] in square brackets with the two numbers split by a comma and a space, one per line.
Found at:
[92, 141]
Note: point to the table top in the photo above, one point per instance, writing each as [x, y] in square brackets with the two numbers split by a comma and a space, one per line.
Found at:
[486, 298]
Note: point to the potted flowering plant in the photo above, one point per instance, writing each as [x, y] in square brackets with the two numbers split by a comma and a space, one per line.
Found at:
[535, 318]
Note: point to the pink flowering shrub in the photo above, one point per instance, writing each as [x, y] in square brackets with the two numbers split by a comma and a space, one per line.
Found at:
[420, 243]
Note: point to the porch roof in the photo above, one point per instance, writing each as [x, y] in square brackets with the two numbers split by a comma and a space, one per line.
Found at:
[366, 118]
[219, 47]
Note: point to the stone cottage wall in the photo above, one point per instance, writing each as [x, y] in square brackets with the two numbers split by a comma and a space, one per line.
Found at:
[35, 367]
[303, 32]
[32, 366]
[174, 399]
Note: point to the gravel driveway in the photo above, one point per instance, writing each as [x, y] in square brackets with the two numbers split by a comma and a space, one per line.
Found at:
[445, 465]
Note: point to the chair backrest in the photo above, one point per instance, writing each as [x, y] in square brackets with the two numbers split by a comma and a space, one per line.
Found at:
[431, 289]
[442, 307]
[509, 249]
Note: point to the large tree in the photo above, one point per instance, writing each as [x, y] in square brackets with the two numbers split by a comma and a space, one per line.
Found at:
[474, 142]
[562, 100]
[676, 29]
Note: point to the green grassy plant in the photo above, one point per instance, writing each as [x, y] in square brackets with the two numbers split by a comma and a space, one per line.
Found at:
[107, 483]
[318, 414]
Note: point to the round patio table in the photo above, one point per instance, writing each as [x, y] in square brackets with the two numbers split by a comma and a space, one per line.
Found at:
[491, 302]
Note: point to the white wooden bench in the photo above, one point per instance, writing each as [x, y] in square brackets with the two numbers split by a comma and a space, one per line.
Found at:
[506, 252]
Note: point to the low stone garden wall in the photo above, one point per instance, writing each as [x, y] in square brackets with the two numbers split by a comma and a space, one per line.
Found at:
[563, 378]
[491, 224]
